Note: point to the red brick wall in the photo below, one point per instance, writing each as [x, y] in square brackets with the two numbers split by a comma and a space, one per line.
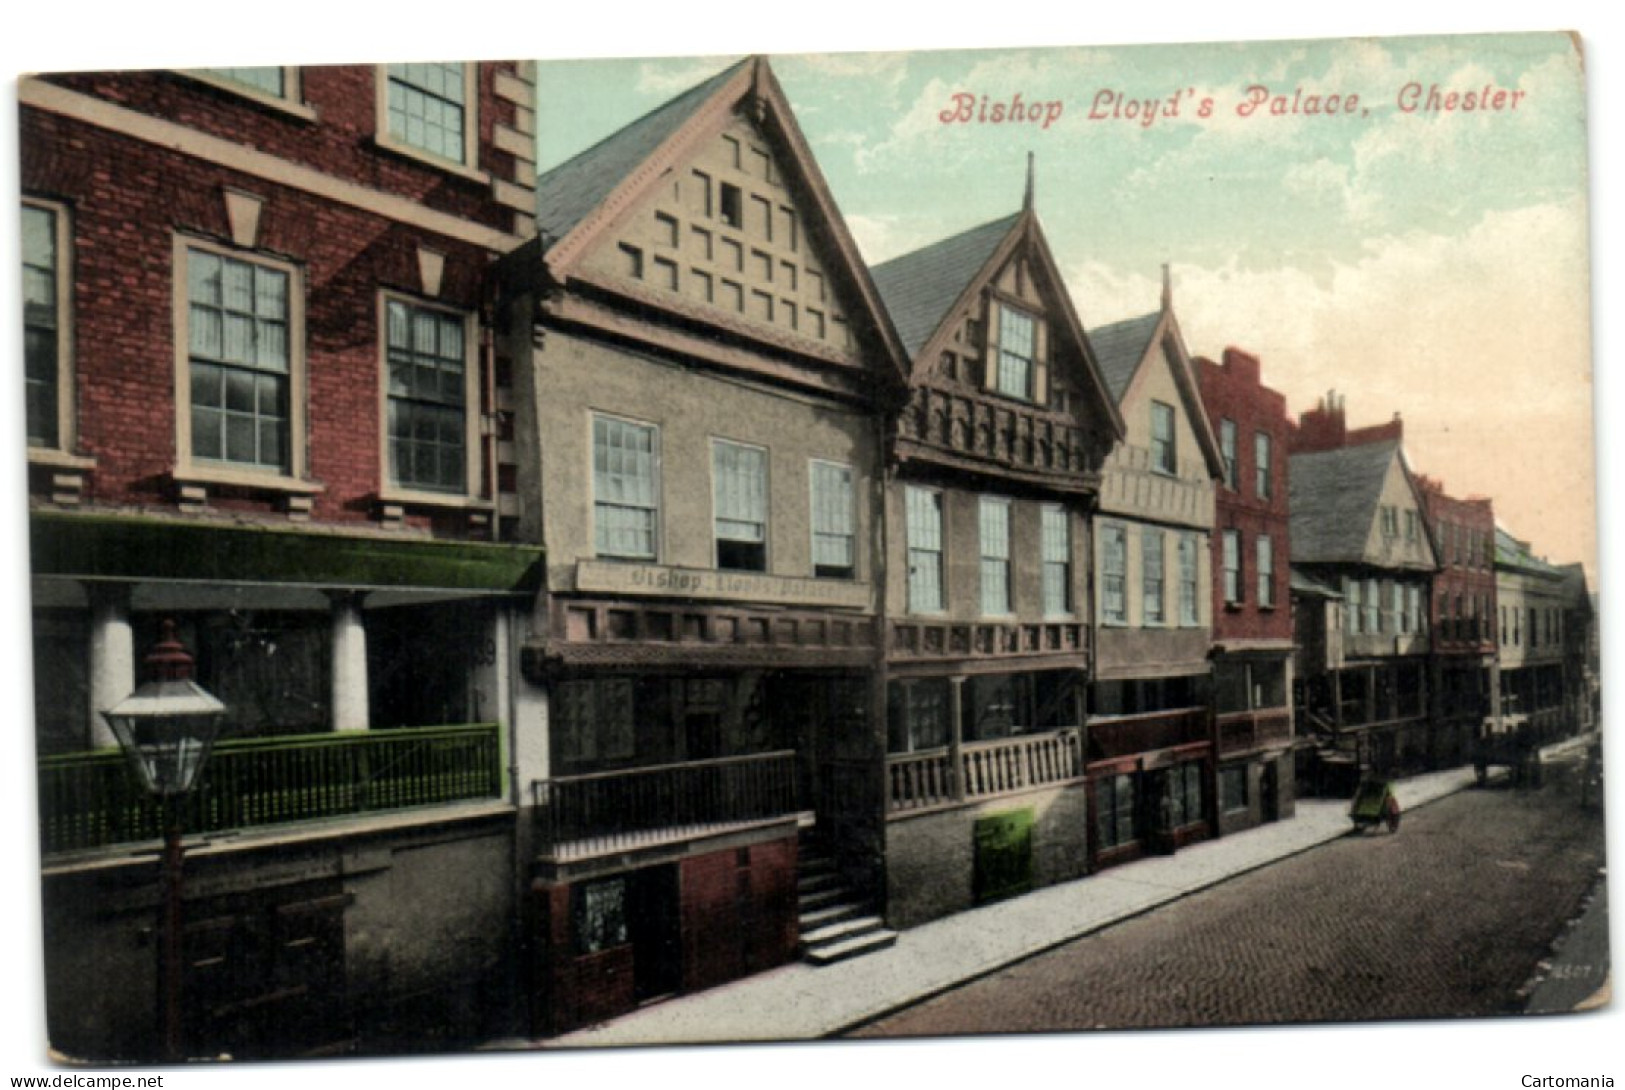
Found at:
[739, 913]
[1234, 391]
[1472, 577]
[736, 913]
[574, 991]
[340, 141]
[127, 200]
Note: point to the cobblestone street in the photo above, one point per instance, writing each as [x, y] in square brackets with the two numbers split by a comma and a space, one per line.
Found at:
[1448, 917]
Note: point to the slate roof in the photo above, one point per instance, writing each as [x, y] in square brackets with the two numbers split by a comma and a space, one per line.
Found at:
[1304, 583]
[1119, 348]
[567, 193]
[1511, 553]
[919, 287]
[1334, 498]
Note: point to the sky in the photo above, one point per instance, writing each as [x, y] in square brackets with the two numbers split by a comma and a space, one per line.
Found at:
[1278, 299]
[1431, 263]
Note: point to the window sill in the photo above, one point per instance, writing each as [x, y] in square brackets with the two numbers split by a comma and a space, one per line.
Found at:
[247, 479]
[1234, 607]
[59, 459]
[451, 501]
[429, 159]
[287, 106]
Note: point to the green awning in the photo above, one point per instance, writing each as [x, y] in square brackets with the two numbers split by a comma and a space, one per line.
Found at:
[150, 549]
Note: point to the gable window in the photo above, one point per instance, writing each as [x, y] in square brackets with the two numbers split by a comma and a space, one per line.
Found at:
[924, 532]
[739, 474]
[626, 496]
[1187, 580]
[1162, 438]
[241, 361]
[1410, 525]
[994, 522]
[428, 403]
[731, 205]
[1265, 550]
[1227, 450]
[1055, 533]
[45, 333]
[833, 533]
[1390, 521]
[1016, 351]
[1114, 574]
[1232, 567]
[1262, 461]
[1151, 577]
[428, 109]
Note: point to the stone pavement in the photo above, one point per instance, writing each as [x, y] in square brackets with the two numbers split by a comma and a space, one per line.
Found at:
[803, 1002]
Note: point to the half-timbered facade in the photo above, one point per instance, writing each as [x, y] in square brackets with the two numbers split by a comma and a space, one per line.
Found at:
[703, 363]
[1359, 527]
[1150, 749]
[995, 470]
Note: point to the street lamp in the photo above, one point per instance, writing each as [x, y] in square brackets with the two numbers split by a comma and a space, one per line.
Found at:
[166, 729]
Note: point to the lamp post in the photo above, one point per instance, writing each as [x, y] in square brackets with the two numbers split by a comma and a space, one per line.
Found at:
[166, 729]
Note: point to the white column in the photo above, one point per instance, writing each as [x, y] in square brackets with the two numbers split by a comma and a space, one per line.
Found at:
[112, 657]
[530, 726]
[349, 665]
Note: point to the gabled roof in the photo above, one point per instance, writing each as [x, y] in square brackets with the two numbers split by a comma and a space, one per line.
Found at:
[925, 292]
[581, 199]
[1120, 346]
[1334, 497]
[565, 194]
[920, 287]
[1123, 348]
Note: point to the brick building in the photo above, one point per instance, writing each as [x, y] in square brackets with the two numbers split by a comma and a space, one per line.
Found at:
[1362, 569]
[996, 464]
[1251, 602]
[263, 404]
[1465, 679]
[702, 365]
[1150, 748]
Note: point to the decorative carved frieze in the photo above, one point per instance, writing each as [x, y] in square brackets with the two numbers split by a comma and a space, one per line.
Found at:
[621, 632]
[928, 640]
[1005, 434]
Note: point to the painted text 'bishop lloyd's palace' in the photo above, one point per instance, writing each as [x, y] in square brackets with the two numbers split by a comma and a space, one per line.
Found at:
[619, 587]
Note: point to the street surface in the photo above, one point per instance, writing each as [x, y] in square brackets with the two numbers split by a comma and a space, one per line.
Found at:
[1451, 916]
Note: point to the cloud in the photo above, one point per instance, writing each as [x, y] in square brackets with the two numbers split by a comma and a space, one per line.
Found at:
[1481, 339]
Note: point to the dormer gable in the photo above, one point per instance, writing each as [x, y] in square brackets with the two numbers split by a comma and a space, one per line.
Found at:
[1149, 372]
[1396, 533]
[710, 213]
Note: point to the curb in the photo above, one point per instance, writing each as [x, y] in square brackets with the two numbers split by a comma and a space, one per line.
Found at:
[1094, 928]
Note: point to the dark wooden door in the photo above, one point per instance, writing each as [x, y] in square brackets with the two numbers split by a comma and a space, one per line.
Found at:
[265, 973]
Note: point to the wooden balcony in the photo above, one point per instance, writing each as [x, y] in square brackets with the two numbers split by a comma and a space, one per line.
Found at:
[582, 816]
[918, 781]
[90, 800]
[1123, 735]
[1243, 731]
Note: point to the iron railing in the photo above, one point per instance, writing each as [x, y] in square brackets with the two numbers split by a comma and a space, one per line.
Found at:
[90, 800]
[627, 807]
